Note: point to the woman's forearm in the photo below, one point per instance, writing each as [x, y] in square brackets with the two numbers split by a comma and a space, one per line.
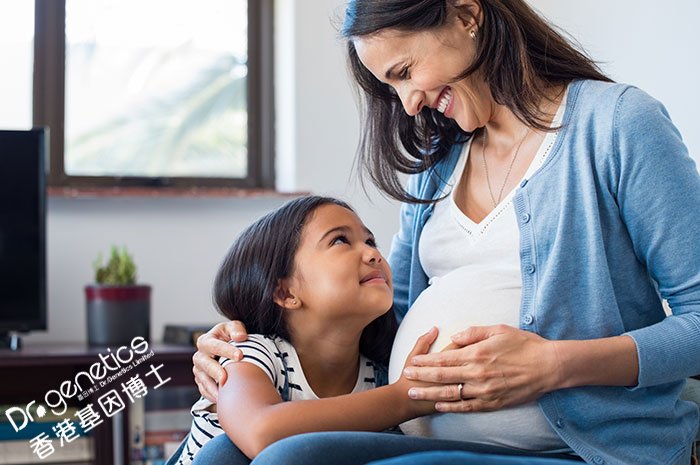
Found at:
[610, 361]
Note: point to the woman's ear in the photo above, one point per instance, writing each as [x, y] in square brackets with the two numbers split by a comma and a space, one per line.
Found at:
[469, 13]
[285, 296]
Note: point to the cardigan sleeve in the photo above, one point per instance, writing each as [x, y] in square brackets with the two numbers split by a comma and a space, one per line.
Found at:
[658, 193]
[400, 256]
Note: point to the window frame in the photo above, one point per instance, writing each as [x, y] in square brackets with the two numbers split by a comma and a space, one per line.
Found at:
[48, 108]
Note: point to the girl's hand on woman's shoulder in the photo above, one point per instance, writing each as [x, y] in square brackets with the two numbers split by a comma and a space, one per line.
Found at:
[404, 385]
[208, 373]
[486, 368]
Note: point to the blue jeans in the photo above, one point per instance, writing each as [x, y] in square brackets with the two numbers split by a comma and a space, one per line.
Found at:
[357, 448]
[220, 451]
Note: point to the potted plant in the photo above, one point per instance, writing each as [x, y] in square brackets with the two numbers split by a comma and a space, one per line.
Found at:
[118, 309]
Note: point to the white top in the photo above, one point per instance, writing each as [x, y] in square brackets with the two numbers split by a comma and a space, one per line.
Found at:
[275, 357]
[474, 276]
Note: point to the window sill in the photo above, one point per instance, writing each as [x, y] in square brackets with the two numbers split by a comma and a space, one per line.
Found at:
[167, 192]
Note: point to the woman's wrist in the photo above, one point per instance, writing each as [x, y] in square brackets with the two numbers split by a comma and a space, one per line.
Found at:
[608, 361]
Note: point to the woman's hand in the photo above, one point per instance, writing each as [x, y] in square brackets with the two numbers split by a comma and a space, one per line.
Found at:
[403, 385]
[497, 366]
[208, 373]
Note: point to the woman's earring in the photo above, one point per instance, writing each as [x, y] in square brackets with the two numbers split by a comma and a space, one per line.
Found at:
[472, 33]
[294, 302]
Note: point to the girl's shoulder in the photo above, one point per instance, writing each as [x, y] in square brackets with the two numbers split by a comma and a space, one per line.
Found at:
[268, 352]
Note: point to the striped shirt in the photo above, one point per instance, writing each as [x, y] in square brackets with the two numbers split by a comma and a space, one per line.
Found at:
[279, 361]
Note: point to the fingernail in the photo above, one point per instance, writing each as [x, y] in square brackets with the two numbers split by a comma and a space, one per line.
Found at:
[408, 372]
[439, 406]
[412, 393]
[237, 334]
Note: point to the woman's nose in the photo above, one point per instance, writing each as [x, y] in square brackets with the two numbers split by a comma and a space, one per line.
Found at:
[412, 100]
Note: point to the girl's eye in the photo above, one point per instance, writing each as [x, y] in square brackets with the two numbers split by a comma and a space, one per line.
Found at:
[404, 74]
[342, 239]
[371, 242]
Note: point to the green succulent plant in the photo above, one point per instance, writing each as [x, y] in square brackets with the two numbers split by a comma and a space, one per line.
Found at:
[120, 270]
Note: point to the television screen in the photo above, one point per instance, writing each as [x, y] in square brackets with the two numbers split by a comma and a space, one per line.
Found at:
[23, 230]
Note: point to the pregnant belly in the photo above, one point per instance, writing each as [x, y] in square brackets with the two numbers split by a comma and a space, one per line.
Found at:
[452, 304]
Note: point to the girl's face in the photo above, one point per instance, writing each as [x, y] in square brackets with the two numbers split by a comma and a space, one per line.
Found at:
[338, 269]
[421, 67]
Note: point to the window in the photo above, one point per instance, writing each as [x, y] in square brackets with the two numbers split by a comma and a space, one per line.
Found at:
[16, 44]
[157, 93]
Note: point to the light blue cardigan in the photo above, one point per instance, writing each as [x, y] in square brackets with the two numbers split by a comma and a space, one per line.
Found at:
[609, 225]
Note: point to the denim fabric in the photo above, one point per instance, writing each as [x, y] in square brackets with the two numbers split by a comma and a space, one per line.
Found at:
[691, 392]
[609, 225]
[467, 458]
[220, 451]
[357, 448]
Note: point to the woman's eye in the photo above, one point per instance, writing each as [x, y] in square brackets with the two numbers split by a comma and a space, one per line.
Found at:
[371, 243]
[404, 74]
[340, 240]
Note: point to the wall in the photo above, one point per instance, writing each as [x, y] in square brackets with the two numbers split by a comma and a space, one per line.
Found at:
[653, 45]
[178, 242]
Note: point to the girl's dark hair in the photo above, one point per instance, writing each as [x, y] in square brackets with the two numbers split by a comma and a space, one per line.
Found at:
[261, 256]
[520, 55]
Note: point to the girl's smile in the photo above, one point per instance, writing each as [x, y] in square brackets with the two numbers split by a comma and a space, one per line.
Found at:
[375, 277]
[338, 271]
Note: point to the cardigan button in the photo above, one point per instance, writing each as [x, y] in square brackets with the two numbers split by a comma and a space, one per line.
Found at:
[559, 423]
[528, 319]
[525, 217]
[529, 269]
[598, 460]
[524, 183]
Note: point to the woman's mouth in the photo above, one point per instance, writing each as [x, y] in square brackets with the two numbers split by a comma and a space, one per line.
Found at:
[445, 99]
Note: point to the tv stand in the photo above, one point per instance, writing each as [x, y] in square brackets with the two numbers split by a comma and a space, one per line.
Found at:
[10, 341]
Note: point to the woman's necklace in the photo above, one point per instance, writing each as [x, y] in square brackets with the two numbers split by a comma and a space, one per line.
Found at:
[486, 168]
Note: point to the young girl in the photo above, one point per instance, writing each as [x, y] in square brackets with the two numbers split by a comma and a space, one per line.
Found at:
[314, 293]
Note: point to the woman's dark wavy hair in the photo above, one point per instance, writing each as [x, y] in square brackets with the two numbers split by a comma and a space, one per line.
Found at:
[261, 256]
[520, 55]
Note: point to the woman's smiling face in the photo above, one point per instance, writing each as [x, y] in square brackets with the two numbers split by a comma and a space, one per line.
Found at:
[421, 68]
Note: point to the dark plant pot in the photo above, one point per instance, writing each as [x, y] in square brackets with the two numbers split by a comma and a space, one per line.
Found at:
[117, 314]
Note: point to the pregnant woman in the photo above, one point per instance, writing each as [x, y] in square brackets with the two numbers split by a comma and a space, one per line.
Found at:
[547, 214]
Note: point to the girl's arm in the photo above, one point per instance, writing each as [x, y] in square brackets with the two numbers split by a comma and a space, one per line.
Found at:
[208, 372]
[254, 416]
